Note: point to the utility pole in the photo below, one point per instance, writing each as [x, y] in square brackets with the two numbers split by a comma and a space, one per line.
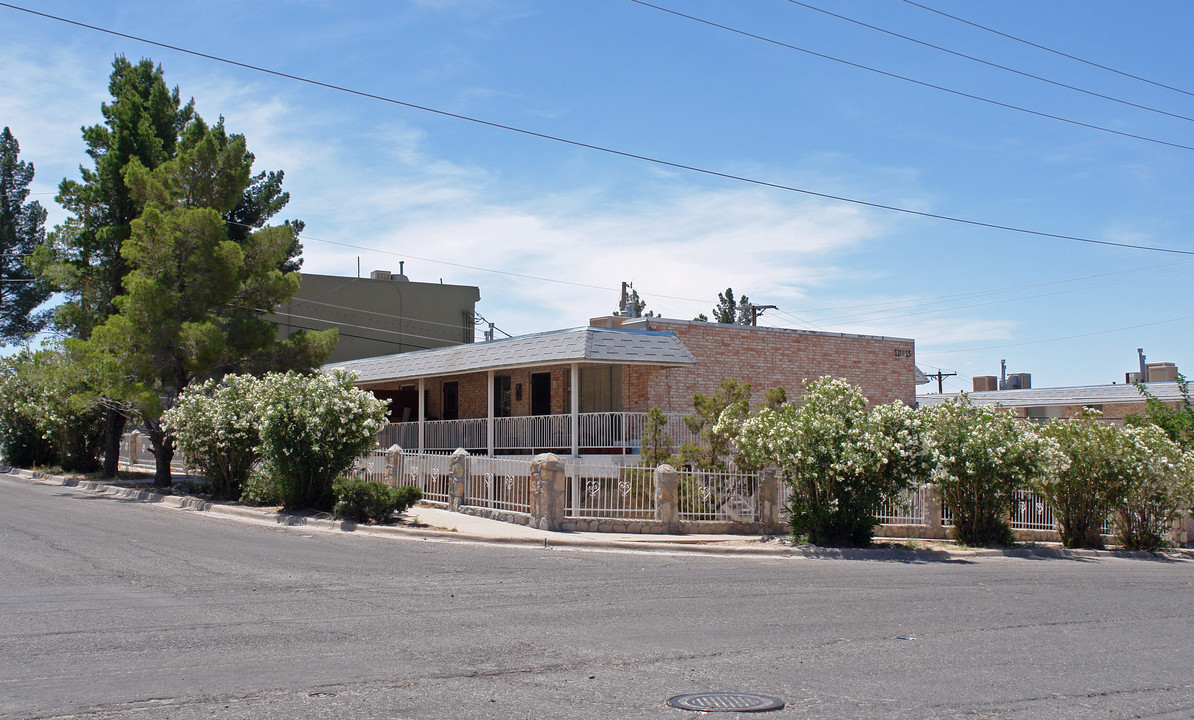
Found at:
[756, 311]
[940, 376]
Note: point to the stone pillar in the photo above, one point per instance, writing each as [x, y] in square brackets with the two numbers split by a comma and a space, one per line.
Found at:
[933, 528]
[548, 490]
[458, 474]
[769, 503]
[393, 472]
[667, 495]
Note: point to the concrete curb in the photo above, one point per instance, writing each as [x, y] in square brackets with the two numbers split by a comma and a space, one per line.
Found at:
[569, 540]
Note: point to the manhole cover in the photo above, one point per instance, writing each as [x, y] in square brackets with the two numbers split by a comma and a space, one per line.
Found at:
[321, 695]
[725, 702]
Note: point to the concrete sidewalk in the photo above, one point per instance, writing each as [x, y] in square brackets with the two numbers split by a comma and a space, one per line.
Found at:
[432, 522]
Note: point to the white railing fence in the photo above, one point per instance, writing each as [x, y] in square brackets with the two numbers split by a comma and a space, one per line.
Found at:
[608, 491]
[718, 496]
[534, 433]
[910, 508]
[428, 473]
[373, 467]
[499, 483]
[615, 492]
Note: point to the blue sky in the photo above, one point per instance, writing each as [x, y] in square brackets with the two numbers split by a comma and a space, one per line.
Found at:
[549, 230]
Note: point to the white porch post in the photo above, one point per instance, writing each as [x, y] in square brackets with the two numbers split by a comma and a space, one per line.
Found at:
[422, 413]
[575, 409]
[489, 421]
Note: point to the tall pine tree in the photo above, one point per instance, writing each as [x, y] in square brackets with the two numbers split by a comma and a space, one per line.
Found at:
[193, 295]
[22, 228]
[144, 124]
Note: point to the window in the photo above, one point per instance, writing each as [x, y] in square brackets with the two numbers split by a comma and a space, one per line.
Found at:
[601, 389]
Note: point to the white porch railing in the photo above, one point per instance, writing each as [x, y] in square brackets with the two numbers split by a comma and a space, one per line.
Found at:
[604, 431]
[535, 433]
[450, 434]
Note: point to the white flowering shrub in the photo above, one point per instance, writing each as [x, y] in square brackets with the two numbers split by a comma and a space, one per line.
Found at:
[42, 422]
[25, 441]
[983, 454]
[1084, 489]
[841, 458]
[1159, 489]
[215, 427]
[312, 428]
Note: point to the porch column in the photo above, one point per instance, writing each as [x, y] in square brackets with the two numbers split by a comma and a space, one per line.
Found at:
[575, 404]
[422, 413]
[489, 420]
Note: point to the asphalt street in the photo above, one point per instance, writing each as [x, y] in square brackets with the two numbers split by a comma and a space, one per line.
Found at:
[113, 608]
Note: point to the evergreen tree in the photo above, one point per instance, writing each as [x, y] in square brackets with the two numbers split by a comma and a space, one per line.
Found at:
[729, 311]
[22, 228]
[82, 257]
[144, 123]
[193, 295]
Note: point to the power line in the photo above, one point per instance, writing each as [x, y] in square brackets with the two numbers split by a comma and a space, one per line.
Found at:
[1049, 49]
[992, 64]
[340, 324]
[905, 78]
[373, 312]
[607, 150]
[357, 337]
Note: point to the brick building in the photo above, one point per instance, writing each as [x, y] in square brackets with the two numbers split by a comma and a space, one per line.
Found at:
[1041, 404]
[587, 390]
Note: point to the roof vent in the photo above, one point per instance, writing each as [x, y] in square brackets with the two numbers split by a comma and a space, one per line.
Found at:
[401, 276]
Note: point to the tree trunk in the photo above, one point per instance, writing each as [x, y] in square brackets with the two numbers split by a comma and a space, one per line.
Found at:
[114, 423]
[163, 453]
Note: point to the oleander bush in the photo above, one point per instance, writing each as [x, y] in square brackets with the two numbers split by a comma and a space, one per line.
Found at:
[261, 488]
[983, 454]
[841, 458]
[1160, 488]
[371, 501]
[312, 428]
[1083, 490]
[45, 418]
[215, 427]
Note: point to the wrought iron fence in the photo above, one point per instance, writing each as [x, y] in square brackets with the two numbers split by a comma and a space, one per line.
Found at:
[1031, 512]
[609, 491]
[718, 496]
[910, 508]
[429, 473]
[373, 467]
[499, 483]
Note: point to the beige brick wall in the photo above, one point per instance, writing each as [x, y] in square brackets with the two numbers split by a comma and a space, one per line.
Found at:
[766, 358]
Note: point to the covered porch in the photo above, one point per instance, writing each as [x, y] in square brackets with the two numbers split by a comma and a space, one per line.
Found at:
[574, 392]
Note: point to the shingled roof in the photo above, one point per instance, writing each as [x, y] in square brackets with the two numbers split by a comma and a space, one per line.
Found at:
[1082, 395]
[585, 345]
